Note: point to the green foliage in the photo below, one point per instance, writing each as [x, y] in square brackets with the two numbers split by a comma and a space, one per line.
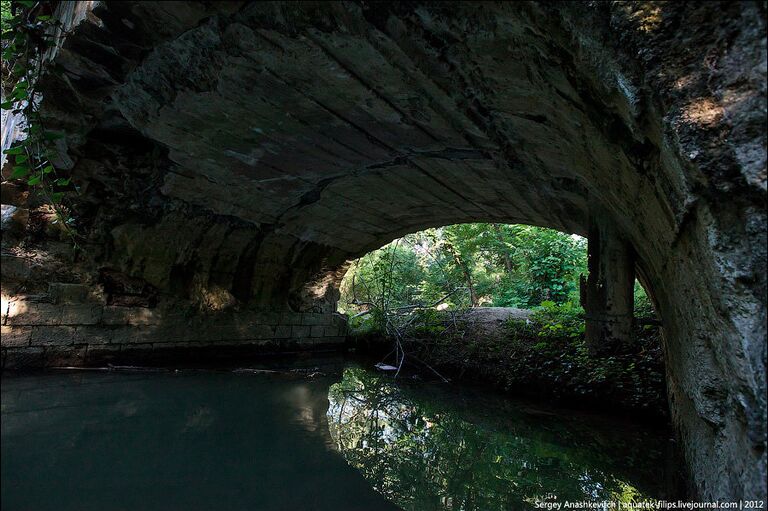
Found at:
[472, 264]
[28, 30]
[643, 305]
[558, 359]
[5, 11]
[559, 320]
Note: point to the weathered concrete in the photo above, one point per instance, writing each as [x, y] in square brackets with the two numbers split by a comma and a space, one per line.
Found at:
[609, 293]
[236, 154]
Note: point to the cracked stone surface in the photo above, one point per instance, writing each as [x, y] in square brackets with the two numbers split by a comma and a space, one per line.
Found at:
[249, 150]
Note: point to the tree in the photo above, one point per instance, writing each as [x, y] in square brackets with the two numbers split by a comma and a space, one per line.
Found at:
[498, 264]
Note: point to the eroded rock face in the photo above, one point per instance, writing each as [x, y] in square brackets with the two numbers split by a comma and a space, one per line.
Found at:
[237, 152]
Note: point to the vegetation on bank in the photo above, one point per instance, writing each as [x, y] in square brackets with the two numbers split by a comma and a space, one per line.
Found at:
[415, 292]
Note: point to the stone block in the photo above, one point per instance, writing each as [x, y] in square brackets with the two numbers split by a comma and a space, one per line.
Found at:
[65, 356]
[290, 318]
[261, 332]
[23, 358]
[331, 331]
[267, 318]
[201, 343]
[102, 354]
[299, 332]
[92, 335]
[83, 314]
[33, 313]
[15, 336]
[14, 268]
[143, 316]
[62, 293]
[296, 343]
[113, 315]
[311, 318]
[46, 335]
[215, 333]
[332, 340]
[171, 345]
[131, 335]
[119, 315]
[282, 331]
[138, 347]
[317, 331]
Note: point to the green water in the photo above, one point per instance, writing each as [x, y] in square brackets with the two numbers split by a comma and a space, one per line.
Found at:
[352, 441]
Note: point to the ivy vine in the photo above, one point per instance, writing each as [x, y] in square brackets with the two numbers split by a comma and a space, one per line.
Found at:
[29, 31]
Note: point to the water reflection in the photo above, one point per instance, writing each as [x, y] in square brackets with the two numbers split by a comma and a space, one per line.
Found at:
[426, 450]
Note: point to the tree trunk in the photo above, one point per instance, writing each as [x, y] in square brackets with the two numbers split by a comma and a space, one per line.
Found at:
[467, 277]
[505, 254]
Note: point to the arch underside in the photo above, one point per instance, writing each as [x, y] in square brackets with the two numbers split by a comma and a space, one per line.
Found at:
[252, 149]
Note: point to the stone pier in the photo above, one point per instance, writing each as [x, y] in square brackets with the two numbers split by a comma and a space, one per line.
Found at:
[609, 297]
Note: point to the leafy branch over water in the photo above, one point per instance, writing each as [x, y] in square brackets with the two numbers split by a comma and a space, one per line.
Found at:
[29, 32]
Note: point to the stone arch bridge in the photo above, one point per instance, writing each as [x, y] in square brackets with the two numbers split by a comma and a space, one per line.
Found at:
[232, 157]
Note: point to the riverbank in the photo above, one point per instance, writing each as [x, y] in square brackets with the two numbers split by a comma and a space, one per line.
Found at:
[543, 357]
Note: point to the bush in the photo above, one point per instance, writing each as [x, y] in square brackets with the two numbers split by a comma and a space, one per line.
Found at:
[548, 355]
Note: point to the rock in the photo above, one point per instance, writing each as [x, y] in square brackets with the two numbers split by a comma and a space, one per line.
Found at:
[14, 220]
[12, 194]
[14, 269]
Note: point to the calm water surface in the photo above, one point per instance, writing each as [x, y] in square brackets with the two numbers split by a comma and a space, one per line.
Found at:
[354, 441]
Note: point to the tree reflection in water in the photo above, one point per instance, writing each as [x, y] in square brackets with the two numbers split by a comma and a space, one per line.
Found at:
[425, 451]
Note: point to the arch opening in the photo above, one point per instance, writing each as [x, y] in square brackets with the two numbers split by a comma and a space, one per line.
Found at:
[504, 304]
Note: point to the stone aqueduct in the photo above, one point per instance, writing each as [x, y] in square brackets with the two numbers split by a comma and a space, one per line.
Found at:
[233, 156]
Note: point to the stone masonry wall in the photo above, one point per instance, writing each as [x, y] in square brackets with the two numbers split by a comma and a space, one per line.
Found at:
[38, 334]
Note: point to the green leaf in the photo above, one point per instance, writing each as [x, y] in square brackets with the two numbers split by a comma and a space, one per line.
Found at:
[48, 169]
[14, 150]
[7, 105]
[34, 180]
[57, 196]
[26, 3]
[44, 17]
[21, 158]
[19, 172]
[63, 181]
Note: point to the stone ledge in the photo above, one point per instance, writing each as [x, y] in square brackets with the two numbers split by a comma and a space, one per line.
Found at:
[147, 353]
[39, 334]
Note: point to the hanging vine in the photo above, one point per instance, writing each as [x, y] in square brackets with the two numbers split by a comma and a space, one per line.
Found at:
[29, 31]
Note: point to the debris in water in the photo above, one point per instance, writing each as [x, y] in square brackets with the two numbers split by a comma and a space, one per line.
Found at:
[254, 371]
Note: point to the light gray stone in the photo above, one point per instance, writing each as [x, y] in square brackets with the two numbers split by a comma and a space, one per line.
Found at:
[15, 336]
